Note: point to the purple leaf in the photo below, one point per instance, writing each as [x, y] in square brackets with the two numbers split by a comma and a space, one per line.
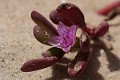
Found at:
[37, 64]
[51, 56]
[102, 29]
[54, 52]
[69, 14]
[43, 23]
[81, 60]
[57, 17]
[78, 65]
[40, 35]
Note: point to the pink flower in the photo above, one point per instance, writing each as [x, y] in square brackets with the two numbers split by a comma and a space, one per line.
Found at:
[66, 37]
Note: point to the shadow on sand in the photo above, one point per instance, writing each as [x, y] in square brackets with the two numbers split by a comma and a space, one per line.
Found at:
[91, 72]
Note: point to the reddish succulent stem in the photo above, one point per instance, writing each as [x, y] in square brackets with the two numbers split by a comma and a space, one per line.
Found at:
[90, 30]
[95, 32]
[108, 8]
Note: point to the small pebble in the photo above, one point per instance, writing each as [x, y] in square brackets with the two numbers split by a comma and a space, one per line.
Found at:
[2, 46]
[102, 51]
[108, 37]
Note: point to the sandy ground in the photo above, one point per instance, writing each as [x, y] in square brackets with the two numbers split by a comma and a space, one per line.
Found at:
[17, 43]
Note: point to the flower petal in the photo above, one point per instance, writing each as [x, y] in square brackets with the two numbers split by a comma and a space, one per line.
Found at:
[72, 30]
[67, 48]
[55, 40]
[62, 29]
[65, 39]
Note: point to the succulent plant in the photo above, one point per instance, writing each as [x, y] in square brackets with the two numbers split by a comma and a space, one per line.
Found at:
[68, 18]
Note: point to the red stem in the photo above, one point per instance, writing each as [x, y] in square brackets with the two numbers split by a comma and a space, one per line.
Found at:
[108, 8]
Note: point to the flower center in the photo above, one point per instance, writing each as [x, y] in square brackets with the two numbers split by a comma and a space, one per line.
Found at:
[66, 41]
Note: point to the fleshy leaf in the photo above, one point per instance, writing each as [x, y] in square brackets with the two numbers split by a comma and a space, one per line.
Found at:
[57, 17]
[78, 65]
[54, 52]
[43, 23]
[37, 64]
[70, 12]
[76, 45]
[51, 57]
[40, 35]
[102, 29]
[84, 42]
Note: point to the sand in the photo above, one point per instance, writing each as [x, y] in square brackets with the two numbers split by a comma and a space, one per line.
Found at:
[18, 45]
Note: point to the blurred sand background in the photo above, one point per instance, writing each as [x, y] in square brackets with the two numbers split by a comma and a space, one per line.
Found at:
[17, 43]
